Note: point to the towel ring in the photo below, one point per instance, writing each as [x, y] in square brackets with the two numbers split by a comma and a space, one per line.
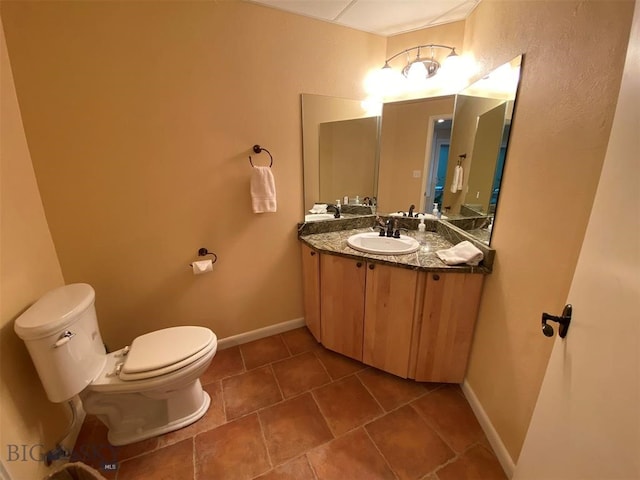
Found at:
[259, 149]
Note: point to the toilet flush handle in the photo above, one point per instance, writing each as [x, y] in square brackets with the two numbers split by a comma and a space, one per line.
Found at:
[64, 338]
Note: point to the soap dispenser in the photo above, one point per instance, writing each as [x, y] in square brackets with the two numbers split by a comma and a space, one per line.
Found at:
[435, 211]
[422, 234]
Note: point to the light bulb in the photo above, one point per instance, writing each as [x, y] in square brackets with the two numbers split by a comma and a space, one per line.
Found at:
[417, 71]
[384, 82]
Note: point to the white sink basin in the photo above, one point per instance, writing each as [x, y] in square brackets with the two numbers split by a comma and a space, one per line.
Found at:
[372, 242]
[314, 217]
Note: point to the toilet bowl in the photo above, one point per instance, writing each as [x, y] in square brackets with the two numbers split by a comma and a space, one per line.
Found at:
[140, 391]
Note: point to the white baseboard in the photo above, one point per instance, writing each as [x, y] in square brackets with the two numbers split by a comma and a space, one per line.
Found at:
[492, 435]
[260, 333]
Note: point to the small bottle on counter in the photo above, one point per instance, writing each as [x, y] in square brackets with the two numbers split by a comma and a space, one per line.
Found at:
[422, 233]
[345, 200]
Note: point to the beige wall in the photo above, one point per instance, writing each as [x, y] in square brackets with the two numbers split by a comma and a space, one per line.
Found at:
[140, 117]
[451, 34]
[574, 52]
[28, 268]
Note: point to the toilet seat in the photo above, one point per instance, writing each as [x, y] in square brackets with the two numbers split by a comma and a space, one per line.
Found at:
[110, 379]
[164, 351]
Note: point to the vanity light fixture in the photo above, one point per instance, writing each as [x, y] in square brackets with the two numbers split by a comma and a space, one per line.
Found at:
[421, 68]
[421, 65]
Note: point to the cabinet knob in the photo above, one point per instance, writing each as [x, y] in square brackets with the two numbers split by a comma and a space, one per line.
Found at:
[371, 266]
[313, 253]
[436, 277]
[359, 264]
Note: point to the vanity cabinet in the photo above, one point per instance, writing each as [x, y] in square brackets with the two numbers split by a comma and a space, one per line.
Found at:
[411, 323]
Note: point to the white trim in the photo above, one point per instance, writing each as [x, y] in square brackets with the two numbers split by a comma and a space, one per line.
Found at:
[430, 162]
[492, 435]
[260, 333]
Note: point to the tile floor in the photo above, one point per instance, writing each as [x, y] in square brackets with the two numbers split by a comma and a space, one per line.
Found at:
[283, 407]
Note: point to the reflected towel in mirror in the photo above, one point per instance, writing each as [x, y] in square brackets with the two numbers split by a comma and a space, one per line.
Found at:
[458, 175]
[463, 252]
[319, 208]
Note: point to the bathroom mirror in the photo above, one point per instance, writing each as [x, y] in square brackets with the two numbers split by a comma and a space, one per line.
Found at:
[420, 143]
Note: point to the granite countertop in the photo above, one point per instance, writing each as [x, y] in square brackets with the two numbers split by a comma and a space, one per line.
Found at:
[335, 243]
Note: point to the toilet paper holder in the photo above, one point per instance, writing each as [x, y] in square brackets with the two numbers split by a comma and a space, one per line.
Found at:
[202, 252]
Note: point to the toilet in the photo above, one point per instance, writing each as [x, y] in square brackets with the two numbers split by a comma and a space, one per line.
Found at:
[140, 391]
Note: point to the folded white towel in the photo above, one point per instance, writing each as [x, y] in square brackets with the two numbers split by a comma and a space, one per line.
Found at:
[263, 190]
[464, 252]
[456, 176]
[459, 177]
[319, 208]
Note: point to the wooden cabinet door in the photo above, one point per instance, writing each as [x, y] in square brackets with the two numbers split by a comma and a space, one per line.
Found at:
[311, 289]
[389, 317]
[342, 284]
[449, 314]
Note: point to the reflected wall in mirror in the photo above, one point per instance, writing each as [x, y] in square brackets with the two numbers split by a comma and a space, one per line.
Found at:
[479, 140]
[348, 153]
[413, 144]
[340, 149]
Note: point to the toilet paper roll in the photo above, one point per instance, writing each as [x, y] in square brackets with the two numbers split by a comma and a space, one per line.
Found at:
[202, 266]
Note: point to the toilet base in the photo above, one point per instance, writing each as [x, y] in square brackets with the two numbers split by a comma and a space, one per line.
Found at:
[133, 417]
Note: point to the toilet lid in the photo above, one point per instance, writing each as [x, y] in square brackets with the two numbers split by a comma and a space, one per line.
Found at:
[158, 352]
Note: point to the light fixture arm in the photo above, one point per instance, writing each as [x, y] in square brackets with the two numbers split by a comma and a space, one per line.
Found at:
[418, 47]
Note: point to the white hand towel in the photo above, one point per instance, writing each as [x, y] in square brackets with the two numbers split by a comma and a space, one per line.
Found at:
[464, 252]
[459, 177]
[263, 190]
[319, 208]
[454, 182]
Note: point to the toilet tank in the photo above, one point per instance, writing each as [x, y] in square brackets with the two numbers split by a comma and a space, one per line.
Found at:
[61, 333]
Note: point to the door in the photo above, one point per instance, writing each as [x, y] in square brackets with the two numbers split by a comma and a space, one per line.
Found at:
[449, 314]
[342, 286]
[586, 424]
[390, 301]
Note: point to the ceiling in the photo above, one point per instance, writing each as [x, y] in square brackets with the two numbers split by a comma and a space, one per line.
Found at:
[382, 17]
